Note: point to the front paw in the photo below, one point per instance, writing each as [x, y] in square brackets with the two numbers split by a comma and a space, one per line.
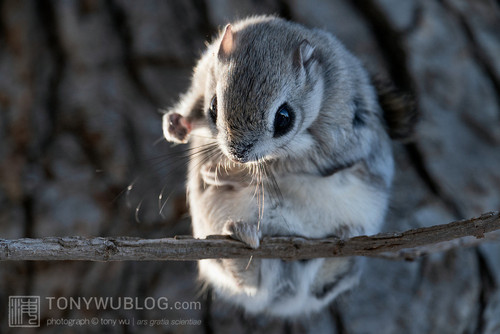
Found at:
[246, 232]
[176, 128]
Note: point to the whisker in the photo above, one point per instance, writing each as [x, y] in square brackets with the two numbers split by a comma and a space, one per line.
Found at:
[274, 186]
[249, 261]
[209, 154]
[160, 197]
[262, 196]
[164, 204]
[200, 136]
[157, 164]
[177, 153]
[255, 179]
[158, 141]
[128, 191]
[137, 210]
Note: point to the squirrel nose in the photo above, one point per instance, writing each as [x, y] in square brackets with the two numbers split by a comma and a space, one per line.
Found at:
[238, 159]
[239, 152]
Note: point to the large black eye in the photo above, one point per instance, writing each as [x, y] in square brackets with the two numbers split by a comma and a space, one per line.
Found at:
[212, 111]
[283, 121]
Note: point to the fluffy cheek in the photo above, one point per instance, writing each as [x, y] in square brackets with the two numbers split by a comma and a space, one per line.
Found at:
[309, 108]
[300, 144]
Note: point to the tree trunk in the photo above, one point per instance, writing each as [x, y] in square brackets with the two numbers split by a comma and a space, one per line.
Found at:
[81, 83]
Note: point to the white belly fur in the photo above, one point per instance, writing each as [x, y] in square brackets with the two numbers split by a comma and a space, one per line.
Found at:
[311, 206]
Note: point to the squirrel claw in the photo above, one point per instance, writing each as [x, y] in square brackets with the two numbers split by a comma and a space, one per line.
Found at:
[245, 232]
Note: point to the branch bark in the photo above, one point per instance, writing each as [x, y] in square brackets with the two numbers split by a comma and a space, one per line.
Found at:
[407, 245]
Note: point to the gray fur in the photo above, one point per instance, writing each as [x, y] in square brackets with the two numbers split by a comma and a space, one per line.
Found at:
[329, 175]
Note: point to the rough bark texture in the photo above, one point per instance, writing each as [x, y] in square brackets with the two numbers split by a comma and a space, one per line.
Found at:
[81, 83]
[407, 245]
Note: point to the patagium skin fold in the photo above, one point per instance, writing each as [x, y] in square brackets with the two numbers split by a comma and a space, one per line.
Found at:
[288, 139]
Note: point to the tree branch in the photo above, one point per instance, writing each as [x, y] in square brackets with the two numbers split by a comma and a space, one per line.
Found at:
[407, 245]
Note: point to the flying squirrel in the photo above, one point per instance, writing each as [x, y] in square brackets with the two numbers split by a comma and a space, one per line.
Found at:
[289, 137]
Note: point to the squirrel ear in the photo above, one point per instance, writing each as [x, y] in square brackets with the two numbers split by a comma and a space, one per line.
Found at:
[303, 54]
[226, 45]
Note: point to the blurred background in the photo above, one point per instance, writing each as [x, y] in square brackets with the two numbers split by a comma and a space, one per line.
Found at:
[81, 88]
